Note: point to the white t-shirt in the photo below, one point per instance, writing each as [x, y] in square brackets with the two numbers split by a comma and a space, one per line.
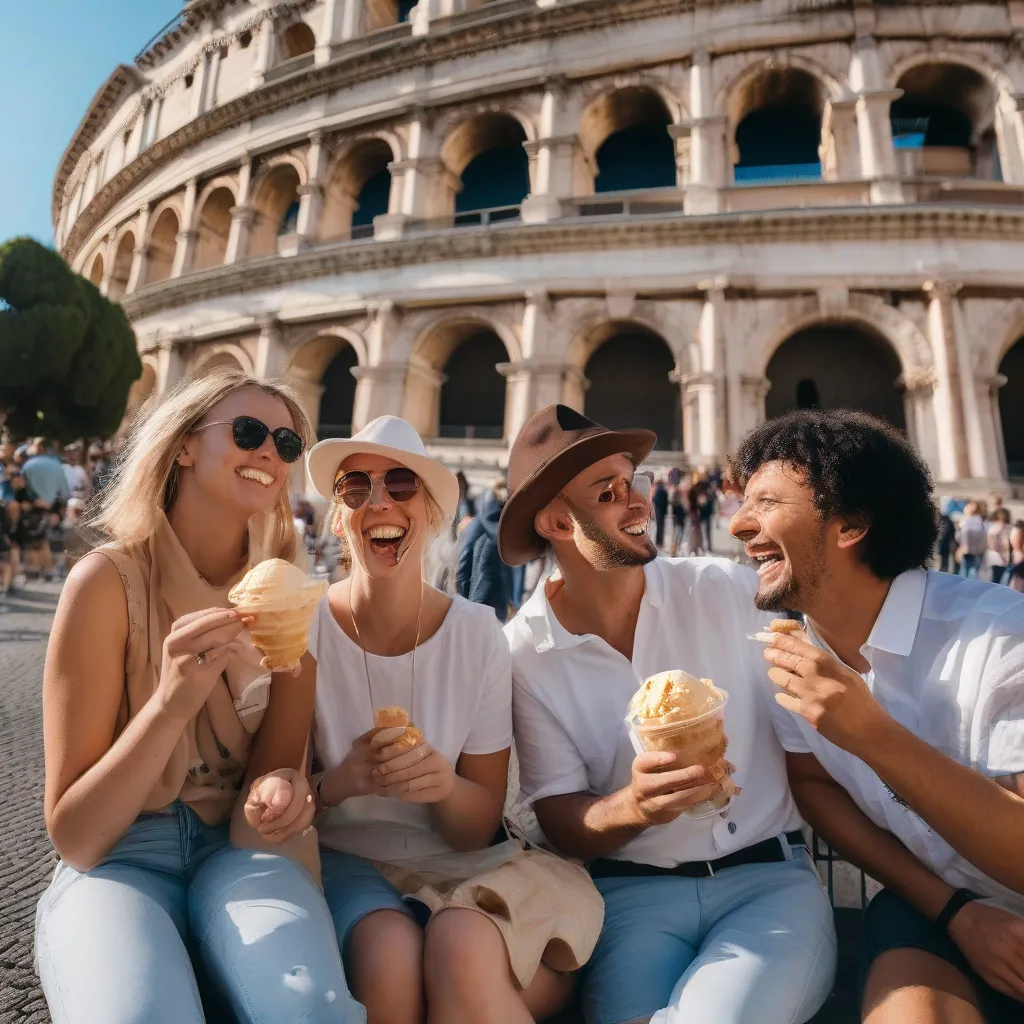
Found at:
[78, 480]
[462, 702]
[947, 663]
[571, 693]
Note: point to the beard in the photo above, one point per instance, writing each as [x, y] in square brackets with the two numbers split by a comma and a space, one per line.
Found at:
[787, 594]
[611, 553]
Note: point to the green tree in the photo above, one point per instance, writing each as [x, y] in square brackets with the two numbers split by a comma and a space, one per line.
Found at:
[67, 355]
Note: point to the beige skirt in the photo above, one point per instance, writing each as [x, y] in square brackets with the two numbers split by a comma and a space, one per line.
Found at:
[547, 909]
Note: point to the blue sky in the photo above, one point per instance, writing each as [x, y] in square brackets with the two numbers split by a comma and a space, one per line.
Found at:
[54, 55]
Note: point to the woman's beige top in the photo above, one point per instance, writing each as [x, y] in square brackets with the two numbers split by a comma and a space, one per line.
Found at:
[207, 767]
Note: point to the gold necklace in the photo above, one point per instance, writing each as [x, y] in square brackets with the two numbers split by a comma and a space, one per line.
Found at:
[366, 660]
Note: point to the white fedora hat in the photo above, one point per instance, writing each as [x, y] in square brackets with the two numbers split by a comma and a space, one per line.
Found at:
[393, 438]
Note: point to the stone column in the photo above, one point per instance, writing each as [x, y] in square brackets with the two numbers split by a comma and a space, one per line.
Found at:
[109, 255]
[752, 412]
[532, 385]
[170, 365]
[554, 158]
[708, 131]
[919, 386]
[310, 391]
[264, 52]
[690, 385]
[420, 181]
[199, 79]
[137, 275]
[574, 388]
[342, 20]
[713, 396]
[427, 11]
[380, 391]
[311, 195]
[271, 356]
[242, 216]
[951, 425]
[213, 77]
[186, 242]
[840, 149]
[992, 463]
[874, 129]
[682, 138]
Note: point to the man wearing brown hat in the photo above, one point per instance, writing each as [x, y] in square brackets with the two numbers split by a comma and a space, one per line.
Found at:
[716, 919]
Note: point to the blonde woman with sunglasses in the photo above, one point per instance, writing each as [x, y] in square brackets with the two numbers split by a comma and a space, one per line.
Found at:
[399, 818]
[151, 696]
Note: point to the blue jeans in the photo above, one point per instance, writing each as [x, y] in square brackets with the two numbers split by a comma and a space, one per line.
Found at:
[750, 945]
[969, 566]
[116, 944]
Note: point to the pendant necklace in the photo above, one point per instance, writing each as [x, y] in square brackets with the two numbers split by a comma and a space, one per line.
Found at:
[366, 660]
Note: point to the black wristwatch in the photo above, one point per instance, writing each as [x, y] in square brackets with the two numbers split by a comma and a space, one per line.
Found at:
[953, 906]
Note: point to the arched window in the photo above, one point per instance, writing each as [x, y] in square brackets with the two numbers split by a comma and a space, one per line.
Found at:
[339, 394]
[944, 123]
[96, 273]
[473, 394]
[836, 366]
[1011, 409]
[163, 241]
[630, 385]
[777, 117]
[214, 229]
[122, 266]
[359, 191]
[297, 40]
[487, 156]
[276, 206]
[378, 14]
[627, 132]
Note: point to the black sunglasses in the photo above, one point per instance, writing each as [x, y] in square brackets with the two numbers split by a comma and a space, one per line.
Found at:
[249, 434]
[356, 487]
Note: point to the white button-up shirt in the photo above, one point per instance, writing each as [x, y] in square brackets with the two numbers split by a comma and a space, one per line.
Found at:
[570, 696]
[947, 663]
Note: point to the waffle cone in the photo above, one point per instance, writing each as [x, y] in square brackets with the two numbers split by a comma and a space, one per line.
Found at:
[397, 718]
[282, 635]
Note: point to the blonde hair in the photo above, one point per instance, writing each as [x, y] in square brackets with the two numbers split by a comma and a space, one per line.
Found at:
[143, 484]
[437, 562]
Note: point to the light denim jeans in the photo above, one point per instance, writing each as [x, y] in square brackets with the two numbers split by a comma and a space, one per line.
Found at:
[751, 945]
[116, 945]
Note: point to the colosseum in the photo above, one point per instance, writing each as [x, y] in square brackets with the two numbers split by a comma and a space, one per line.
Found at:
[682, 214]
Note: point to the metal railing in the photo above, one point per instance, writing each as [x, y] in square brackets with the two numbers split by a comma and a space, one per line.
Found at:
[776, 173]
[361, 231]
[628, 205]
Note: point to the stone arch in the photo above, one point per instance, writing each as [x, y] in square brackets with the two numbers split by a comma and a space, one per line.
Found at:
[840, 364]
[359, 187]
[296, 40]
[212, 223]
[947, 121]
[140, 392]
[487, 164]
[626, 370]
[450, 388]
[998, 78]
[378, 14]
[1000, 333]
[163, 242]
[624, 137]
[222, 356]
[275, 205]
[732, 91]
[1010, 382]
[95, 273]
[321, 370]
[124, 254]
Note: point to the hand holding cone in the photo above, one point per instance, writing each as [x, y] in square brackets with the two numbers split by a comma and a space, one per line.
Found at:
[277, 600]
[397, 718]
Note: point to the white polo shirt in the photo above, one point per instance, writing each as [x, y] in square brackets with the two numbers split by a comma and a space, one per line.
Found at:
[570, 694]
[947, 663]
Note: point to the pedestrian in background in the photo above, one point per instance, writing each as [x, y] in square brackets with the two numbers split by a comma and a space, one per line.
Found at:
[972, 537]
[659, 501]
[998, 555]
[481, 575]
[947, 547]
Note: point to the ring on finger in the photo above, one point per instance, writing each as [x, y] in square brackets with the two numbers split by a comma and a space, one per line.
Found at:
[201, 659]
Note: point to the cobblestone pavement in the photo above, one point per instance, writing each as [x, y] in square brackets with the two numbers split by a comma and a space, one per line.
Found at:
[26, 857]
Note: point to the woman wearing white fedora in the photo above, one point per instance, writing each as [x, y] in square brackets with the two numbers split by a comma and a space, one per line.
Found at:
[416, 820]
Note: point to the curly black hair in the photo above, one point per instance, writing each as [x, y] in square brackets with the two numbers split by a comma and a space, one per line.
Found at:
[859, 466]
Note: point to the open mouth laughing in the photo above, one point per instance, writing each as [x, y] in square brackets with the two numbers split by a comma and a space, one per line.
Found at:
[258, 476]
[386, 540]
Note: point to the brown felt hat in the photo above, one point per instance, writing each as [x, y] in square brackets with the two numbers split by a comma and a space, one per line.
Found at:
[554, 446]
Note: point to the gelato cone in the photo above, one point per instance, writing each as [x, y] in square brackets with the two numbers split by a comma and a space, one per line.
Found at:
[397, 719]
[787, 626]
[674, 711]
[277, 601]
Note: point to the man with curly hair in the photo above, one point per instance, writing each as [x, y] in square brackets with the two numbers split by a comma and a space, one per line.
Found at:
[901, 708]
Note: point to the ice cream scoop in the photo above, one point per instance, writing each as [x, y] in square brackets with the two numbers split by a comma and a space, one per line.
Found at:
[396, 718]
[276, 600]
[777, 626]
[674, 696]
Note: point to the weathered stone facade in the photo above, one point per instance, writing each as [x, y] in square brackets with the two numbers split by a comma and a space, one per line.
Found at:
[299, 187]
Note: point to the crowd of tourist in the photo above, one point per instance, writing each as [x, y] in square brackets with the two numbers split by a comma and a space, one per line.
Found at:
[44, 490]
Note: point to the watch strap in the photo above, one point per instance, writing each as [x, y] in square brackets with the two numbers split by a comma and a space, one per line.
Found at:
[953, 906]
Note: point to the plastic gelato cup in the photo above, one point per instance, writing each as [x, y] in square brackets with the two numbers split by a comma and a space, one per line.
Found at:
[699, 739]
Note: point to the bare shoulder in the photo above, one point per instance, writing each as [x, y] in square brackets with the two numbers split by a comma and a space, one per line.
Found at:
[93, 600]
